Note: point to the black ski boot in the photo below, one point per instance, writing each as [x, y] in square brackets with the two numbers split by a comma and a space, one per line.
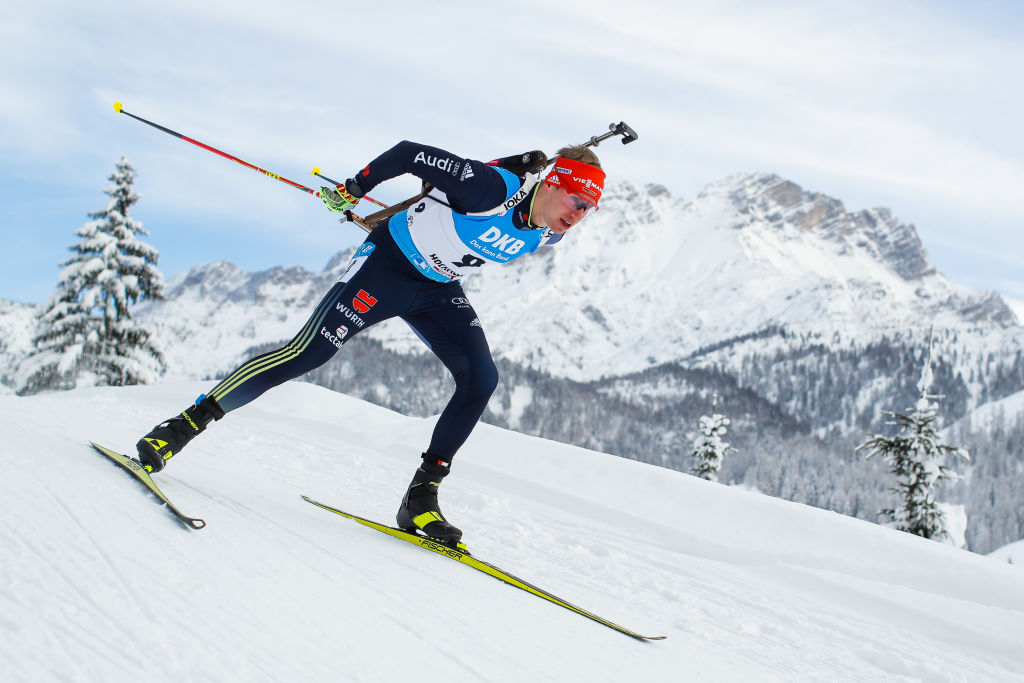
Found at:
[170, 436]
[420, 510]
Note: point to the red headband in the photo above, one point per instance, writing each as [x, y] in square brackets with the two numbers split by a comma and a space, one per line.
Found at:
[576, 176]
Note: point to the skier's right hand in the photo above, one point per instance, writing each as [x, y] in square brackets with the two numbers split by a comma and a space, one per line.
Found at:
[338, 199]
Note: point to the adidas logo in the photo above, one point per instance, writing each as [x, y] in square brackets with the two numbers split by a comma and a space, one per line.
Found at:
[467, 172]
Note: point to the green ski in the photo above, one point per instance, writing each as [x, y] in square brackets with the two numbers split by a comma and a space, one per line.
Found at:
[462, 555]
[139, 473]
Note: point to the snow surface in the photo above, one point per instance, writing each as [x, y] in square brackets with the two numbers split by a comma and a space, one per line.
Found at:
[1017, 306]
[98, 583]
[1012, 553]
[992, 415]
[17, 326]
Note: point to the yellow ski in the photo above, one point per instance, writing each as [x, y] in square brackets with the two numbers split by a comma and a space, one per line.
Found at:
[462, 555]
[139, 473]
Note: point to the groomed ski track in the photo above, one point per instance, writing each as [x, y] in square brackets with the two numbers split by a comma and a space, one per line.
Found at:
[99, 583]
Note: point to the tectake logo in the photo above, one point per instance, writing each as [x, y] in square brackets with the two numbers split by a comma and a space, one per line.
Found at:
[342, 331]
[363, 302]
[336, 340]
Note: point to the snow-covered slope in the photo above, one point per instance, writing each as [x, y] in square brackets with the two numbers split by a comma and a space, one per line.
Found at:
[98, 583]
[1017, 306]
[996, 414]
[1012, 553]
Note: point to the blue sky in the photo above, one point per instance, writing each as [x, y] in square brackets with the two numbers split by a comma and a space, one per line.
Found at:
[911, 105]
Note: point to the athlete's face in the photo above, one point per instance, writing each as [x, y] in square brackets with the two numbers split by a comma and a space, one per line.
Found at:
[559, 210]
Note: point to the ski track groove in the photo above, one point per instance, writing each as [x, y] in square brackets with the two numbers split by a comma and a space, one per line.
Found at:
[342, 563]
[99, 612]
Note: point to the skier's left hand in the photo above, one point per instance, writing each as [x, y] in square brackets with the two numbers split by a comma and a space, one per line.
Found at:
[338, 199]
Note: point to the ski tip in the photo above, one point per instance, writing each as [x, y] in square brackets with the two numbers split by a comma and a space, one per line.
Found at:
[117, 107]
[315, 171]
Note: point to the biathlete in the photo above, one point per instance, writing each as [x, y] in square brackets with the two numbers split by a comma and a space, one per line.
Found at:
[411, 266]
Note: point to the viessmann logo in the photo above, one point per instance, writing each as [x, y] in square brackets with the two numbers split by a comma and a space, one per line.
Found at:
[588, 186]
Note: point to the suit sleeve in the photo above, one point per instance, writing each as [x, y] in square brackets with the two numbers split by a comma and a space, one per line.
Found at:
[470, 185]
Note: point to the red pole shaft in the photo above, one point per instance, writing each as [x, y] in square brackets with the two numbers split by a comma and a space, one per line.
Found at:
[120, 110]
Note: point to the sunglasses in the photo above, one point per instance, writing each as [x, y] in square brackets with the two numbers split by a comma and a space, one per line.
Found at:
[577, 202]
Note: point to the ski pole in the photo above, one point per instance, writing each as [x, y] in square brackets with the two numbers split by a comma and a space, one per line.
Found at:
[120, 110]
[628, 134]
[621, 128]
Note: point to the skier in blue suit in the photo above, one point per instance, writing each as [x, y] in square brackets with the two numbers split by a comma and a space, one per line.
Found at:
[411, 266]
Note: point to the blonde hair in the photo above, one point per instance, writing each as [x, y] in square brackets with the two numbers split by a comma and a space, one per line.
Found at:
[579, 153]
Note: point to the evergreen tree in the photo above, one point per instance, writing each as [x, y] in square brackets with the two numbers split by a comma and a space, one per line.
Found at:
[917, 458]
[85, 334]
[708, 448]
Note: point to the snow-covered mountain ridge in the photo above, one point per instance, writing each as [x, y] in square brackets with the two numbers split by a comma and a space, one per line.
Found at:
[648, 280]
[653, 280]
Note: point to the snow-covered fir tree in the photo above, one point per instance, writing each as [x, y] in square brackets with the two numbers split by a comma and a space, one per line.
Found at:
[85, 334]
[708, 448]
[918, 460]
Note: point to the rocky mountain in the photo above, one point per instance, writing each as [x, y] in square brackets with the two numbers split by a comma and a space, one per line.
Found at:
[808, 321]
[655, 280]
